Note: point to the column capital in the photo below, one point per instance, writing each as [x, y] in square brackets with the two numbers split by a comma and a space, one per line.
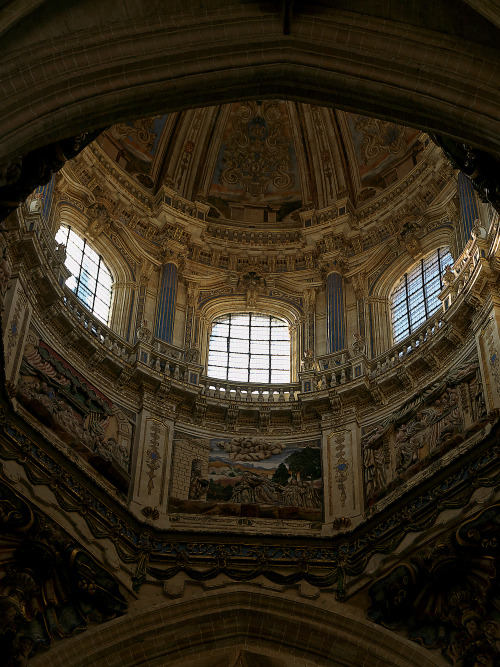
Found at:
[333, 264]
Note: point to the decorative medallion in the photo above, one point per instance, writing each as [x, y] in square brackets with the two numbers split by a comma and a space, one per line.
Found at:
[257, 151]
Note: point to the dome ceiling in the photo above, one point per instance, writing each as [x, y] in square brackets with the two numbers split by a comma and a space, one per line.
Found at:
[264, 161]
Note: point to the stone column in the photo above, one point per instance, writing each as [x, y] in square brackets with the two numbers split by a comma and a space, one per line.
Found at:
[191, 332]
[165, 308]
[122, 320]
[16, 319]
[380, 325]
[335, 322]
[151, 462]
[469, 211]
[310, 320]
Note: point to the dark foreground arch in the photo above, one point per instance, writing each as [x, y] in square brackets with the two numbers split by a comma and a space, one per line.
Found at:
[194, 631]
[72, 67]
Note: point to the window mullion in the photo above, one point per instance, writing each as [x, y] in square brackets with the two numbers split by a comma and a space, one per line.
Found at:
[424, 286]
[407, 303]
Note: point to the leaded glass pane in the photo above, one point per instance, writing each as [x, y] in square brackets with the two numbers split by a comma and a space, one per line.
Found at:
[414, 298]
[248, 338]
[90, 280]
[220, 329]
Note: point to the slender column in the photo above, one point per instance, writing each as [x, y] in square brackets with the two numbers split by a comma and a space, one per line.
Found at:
[124, 298]
[165, 311]
[151, 460]
[380, 325]
[469, 211]
[16, 319]
[191, 333]
[335, 322]
[310, 320]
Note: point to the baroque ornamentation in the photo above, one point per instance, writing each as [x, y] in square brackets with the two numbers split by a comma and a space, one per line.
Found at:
[442, 416]
[49, 587]
[141, 130]
[342, 466]
[379, 135]
[446, 597]
[253, 284]
[153, 456]
[257, 151]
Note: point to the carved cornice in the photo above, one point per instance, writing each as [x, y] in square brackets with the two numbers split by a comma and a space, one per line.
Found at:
[322, 562]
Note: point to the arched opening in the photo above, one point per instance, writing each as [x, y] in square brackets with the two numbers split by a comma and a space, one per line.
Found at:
[72, 79]
[223, 622]
[249, 347]
[90, 278]
[414, 298]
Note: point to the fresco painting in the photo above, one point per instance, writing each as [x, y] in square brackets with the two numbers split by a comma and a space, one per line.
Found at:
[257, 162]
[135, 145]
[253, 478]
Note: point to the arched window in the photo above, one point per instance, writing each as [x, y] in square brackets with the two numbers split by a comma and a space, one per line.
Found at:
[414, 298]
[249, 347]
[91, 279]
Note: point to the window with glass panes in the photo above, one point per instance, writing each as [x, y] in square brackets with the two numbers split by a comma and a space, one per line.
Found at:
[90, 278]
[414, 298]
[249, 347]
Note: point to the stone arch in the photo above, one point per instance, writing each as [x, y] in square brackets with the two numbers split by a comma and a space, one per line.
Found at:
[383, 285]
[67, 71]
[221, 622]
[282, 308]
[104, 241]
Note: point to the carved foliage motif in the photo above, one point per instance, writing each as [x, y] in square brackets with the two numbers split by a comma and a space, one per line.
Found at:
[153, 456]
[49, 587]
[379, 136]
[342, 466]
[140, 130]
[447, 597]
[257, 151]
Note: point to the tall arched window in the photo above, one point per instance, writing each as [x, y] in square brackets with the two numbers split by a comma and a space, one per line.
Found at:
[414, 298]
[91, 279]
[249, 347]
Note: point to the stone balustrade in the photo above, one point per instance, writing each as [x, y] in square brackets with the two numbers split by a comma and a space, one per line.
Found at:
[249, 392]
[410, 346]
[340, 371]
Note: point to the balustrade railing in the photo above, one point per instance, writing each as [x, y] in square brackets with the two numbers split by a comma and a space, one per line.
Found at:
[410, 346]
[249, 392]
[157, 356]
[332, 371]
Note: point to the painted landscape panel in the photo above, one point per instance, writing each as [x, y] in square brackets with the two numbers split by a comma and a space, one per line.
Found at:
[253, 478]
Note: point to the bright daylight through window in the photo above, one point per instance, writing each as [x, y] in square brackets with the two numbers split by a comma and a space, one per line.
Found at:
[249, 347]
[90, 280]
[414, 298]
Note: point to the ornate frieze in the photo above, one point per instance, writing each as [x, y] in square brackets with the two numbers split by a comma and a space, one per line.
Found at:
[437, 419]
[445, 596]
[49, 586]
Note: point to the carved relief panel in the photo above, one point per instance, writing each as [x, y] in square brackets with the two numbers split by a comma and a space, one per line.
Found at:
[442, 416]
